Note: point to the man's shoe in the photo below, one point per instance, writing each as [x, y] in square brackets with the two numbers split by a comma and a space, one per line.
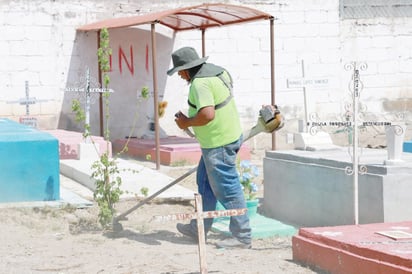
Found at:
[233, 243]
[186, 229]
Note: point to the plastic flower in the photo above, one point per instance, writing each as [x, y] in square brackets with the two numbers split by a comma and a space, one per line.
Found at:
[162, 108]
[247, 173]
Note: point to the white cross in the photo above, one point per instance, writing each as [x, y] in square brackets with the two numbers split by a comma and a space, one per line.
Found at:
[304, 83]
[27, 120]
[87, 89]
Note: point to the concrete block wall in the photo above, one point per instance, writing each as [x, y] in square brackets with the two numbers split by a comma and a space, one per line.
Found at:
[39, 44]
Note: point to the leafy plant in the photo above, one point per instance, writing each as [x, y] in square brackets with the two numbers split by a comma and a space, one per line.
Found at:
[144, 92]
[144, 191]
[105, 170]
[107, 192]
[80, 117]
[247, 173]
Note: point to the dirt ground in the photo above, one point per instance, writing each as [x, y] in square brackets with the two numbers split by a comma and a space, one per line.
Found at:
[69, 240]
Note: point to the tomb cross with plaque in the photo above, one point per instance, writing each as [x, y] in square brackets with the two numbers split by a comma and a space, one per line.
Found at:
[304, 83]
[87, 89]
[355, 88]
[27, 101]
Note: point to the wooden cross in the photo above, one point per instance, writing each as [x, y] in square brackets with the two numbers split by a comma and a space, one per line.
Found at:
[199, 215]
[303, 83]
[87, 89]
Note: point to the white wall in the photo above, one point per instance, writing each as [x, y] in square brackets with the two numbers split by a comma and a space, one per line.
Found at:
[39, 43]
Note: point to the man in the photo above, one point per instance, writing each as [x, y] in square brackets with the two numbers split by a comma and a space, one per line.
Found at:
[215, 121]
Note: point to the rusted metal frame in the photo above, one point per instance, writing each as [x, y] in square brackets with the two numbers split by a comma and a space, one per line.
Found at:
[193, 26]
[144, 19]
[155, 94]
[172, 17]
[188, 13]
[240, 19]
[210, 25]
[207, 13]
[203, 43]
[241, 12]
[219, 22]
[231, 7]
[251, 19]
[223, 11]
[272, 72]
[190, 27]
[202, 27]
[224, 24]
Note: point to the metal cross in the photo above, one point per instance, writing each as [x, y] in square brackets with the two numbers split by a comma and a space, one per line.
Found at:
[87, 89]
[27, 120]
[356, 89]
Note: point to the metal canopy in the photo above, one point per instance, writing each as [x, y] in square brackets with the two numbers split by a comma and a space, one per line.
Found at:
[196, 17]
[200, 17]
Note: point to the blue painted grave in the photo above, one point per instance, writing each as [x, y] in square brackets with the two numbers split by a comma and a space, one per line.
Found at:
[29, 164]
[261, 226]
[407, 146]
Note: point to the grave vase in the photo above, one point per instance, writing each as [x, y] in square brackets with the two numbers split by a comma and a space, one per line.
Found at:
[252, 206]
[394, 139]
[261, 226]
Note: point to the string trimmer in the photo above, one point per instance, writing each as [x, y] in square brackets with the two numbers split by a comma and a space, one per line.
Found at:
[269, 120]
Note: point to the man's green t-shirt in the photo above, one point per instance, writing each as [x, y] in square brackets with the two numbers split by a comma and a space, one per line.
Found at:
[225, 128]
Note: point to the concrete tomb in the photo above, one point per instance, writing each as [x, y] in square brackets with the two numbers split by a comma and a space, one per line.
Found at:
[29, 162]
[352, 249]
[315, 188]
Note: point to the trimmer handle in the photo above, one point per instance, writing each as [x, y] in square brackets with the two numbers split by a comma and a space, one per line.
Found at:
[268, 113]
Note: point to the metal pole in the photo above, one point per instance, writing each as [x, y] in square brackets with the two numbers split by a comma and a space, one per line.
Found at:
[305, 100]
[101, 94]
[272, 72]
[355, 144]
[87, 107]
[155, 95]
[203, 43]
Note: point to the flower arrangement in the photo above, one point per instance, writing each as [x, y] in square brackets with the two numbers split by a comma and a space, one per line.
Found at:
[247, 173]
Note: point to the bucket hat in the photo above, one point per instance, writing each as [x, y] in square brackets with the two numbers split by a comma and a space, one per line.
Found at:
[185, 58]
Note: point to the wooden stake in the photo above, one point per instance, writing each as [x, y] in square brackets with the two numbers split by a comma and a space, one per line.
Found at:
[201, 234]
[200, 215]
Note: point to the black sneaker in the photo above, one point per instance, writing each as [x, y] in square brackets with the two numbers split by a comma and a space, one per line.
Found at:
[186, 229]
[231, 243]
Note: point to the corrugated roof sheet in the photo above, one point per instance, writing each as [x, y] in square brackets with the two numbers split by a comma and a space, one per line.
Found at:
[195, 17]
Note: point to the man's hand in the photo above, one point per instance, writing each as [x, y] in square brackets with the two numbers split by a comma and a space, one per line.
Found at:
[181, 120]
[203, 117]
